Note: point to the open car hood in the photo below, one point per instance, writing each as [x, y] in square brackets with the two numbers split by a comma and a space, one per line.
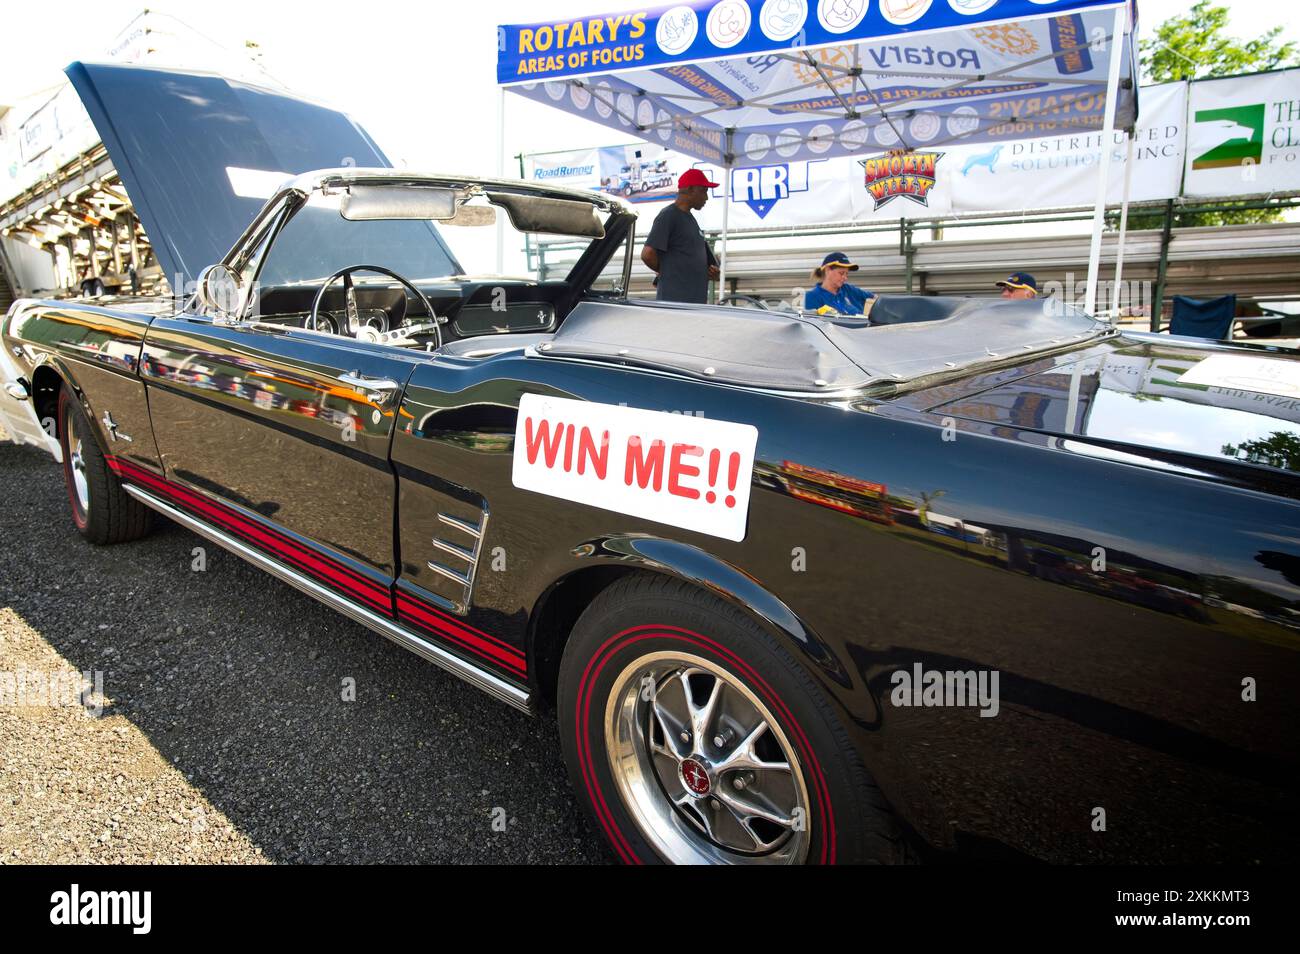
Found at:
[175, 138]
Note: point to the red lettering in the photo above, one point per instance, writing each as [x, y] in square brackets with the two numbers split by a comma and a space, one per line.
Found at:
[587, 452]
[678, 469]
[544, 437]
[646, 466]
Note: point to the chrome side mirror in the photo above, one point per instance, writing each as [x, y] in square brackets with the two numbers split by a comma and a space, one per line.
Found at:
[218, 292]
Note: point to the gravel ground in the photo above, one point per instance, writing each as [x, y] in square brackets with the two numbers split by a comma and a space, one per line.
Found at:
[225, 736]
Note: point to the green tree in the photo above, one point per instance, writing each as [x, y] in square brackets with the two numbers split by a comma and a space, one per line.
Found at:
[1281, 449]
[1232, 214]
[1195, 45]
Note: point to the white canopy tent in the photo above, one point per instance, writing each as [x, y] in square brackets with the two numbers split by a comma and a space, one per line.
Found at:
[746, 82]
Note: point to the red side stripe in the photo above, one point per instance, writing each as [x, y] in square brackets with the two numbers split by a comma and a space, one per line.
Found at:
[327, 571]
[436, 625]
[314, 564]
[460, 624]
[449, 636]
[284, 539]
[273, 540]
[464, 628]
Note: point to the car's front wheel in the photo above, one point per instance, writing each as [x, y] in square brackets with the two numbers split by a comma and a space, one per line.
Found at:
[694, 738]
[101, 509]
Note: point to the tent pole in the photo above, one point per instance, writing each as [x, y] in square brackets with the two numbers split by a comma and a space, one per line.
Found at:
[726, 208]
[1107, 132]
[726, 215]
[501, 174]
[1162, 270]
[1123, 226]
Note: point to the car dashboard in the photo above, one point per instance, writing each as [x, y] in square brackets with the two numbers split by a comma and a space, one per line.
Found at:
[387, 314]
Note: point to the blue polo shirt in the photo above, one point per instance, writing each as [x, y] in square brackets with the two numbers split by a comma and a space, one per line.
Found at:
[849, 300]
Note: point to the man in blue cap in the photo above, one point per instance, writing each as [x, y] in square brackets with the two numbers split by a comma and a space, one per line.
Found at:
[1019, 285]
[833, 294]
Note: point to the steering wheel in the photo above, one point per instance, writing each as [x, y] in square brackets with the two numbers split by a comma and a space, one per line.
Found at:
[752, 299]
[353, 313]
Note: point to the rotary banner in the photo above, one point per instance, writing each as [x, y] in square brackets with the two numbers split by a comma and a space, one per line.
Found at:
[699, 30]
[764, 81]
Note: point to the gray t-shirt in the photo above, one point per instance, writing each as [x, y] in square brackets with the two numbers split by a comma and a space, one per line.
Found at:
[684, 256]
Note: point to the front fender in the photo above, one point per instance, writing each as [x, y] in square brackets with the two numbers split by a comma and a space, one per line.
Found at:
[18, 391]
[95, 351]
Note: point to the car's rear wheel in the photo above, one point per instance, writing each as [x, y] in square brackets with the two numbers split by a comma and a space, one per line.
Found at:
[101, 509]
[693, 737]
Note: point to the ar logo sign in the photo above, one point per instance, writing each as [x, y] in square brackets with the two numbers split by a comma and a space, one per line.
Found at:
[762, 187]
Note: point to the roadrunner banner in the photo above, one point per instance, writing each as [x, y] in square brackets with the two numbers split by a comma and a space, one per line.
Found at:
[641, 172]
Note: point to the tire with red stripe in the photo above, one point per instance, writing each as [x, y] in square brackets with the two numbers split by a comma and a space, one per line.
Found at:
[102, 510]
[692, 736]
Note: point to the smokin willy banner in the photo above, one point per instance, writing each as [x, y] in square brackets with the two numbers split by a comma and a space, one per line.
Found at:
[908, 175]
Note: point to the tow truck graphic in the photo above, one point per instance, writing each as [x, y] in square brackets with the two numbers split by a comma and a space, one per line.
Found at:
[638, 177]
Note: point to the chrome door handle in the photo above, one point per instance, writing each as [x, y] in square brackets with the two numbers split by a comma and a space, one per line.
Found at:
[355, 379]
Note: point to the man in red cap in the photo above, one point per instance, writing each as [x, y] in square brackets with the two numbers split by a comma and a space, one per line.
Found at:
[676, 249]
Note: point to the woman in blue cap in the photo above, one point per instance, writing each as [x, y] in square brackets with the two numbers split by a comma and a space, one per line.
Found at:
[833, 294]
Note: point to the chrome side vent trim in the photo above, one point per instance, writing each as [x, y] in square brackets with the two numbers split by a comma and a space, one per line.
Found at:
[464, 553]
[466, 558]
[475, 530]
[463, 579]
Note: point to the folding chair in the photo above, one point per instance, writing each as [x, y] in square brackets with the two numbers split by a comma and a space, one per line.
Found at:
[1211, 318]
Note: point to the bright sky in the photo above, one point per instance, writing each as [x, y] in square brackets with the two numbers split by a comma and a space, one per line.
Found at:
[420, 78]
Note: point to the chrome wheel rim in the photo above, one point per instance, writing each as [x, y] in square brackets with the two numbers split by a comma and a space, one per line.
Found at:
[77, 466]
[702, 766]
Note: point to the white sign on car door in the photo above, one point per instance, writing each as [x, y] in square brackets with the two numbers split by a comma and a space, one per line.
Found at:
[685, 471]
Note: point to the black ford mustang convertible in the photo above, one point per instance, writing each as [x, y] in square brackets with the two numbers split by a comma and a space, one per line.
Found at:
[961, 577]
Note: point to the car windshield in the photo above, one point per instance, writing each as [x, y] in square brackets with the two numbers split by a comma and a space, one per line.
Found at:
[317, 241]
